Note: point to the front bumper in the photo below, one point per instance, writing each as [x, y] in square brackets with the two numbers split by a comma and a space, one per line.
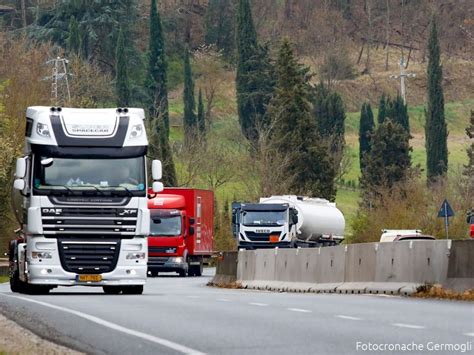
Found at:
[166, 263]
[54, 275]
[262, 245]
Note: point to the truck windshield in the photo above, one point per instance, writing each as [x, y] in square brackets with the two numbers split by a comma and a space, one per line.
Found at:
[72, 174]
[264, 218]
[165, 226]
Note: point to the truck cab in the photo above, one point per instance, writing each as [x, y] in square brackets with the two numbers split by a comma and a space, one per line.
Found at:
[256, 225]
[181, 231]
[80, 196]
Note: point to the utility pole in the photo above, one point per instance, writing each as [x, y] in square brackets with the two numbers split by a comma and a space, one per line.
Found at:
[402, 76]
[59, 75]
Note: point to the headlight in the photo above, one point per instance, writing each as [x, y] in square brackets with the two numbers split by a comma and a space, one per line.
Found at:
[42, 130]
[178, 259]
[137, 131]
[41, 255]
[136, 256]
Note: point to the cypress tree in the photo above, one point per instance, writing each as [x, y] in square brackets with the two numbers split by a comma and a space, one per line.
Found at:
[219, 26]
[435, 128]
[397, 111]
[311, 168]
[366, 129]
[255, 77]
[122, 83]
[189, 118]
[469, 168]
[388, 160]
[74, 39]
[382, 109]
[330, 116]
[201, 119]
[156, 80]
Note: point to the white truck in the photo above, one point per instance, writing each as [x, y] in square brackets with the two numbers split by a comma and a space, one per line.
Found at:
[287, 221]
[80, 196]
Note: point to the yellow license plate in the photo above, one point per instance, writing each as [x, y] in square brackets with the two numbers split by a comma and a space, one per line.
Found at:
[92, 278]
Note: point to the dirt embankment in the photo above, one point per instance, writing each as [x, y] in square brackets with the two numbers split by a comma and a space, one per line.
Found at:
[17, 340]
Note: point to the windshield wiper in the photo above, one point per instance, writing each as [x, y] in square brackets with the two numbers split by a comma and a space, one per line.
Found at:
[125, 189]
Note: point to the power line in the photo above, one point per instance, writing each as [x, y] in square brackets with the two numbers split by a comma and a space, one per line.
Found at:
[60, 92]
[403, 74]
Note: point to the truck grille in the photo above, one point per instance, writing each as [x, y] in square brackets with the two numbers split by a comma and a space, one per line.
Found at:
[260, 237]
[157, 260]
[168, 250]
[89, 257]
[103, 221]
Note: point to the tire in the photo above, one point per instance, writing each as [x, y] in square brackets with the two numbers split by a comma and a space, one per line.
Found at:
[132, 290]
[111, 290]
[182, 273]
[16, 285]
[199, 269]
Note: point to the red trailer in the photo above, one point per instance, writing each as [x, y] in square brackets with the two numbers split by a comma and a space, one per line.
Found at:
[181, 230]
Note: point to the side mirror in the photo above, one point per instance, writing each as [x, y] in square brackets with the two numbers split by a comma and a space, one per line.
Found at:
[20, 171]
[157, 186]
[234, 218]
[19, 184]
[191, 221]
[191, 230]
[156, 170]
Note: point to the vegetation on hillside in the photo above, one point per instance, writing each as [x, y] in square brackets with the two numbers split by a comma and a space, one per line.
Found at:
[131, 53]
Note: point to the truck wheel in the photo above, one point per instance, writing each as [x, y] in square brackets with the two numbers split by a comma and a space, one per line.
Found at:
[16, 285]
[182, 273]
[132, 290]
[111, 290]
[199, 269]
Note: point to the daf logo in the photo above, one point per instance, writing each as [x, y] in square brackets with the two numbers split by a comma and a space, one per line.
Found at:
[52, 210]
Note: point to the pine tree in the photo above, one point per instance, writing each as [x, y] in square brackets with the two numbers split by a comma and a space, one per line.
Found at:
[255, 77]
[156, 80]
[201, 118]
[388, 160]
[382, 114]
[220, 26]
[435, 128]
[122, 83]
[74, 38]
[189, 118]
[311, 167]
[366, 129]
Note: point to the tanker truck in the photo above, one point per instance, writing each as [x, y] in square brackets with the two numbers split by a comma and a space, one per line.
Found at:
[80, 196]
[287, 221]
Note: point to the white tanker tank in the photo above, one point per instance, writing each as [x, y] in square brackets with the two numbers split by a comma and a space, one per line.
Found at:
[318, 219]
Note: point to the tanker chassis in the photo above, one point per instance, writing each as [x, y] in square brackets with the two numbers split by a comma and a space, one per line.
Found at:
[80, 195]
[287, 221]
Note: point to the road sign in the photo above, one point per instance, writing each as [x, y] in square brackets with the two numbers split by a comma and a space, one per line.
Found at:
[445, 212]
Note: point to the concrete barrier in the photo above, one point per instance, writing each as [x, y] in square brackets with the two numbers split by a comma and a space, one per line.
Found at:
[461, 266]
[391, 268]
[226, 269]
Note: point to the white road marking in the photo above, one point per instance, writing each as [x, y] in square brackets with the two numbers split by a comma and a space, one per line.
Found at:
[154, 339]
[299, 310]
[469, 334]
[258, 304]
[411, 326]
[347, 317]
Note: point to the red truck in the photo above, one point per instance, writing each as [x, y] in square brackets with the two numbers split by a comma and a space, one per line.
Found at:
[181, 230]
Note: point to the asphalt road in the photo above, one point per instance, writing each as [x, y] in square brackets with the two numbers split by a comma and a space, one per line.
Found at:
[176, 316]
